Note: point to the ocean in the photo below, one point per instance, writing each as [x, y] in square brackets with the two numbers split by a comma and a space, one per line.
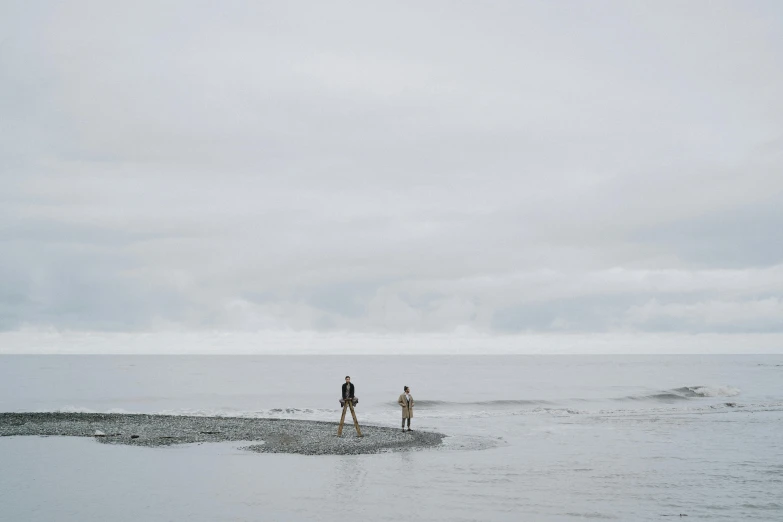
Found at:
[529, 437]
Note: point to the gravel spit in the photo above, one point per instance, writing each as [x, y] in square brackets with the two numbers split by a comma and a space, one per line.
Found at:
[274, 435]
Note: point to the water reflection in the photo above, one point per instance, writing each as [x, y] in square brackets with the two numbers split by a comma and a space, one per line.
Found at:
[351, 477]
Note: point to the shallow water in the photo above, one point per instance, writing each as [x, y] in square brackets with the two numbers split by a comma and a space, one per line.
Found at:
[530, 437]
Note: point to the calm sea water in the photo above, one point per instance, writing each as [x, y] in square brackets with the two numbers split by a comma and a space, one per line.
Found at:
[530, 438]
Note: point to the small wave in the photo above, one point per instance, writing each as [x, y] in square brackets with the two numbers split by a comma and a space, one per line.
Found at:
[663, 397]
[700, 409]
[686, 393]
[708, 391]
[75, 409]
[502, 403]
[81, 409]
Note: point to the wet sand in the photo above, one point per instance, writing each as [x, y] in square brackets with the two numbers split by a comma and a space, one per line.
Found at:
[271, 435]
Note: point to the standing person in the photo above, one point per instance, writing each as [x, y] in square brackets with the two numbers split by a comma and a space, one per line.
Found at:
[406, 401]
[348, 390]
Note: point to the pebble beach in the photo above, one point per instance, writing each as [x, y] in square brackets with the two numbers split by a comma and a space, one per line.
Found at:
[265, 435]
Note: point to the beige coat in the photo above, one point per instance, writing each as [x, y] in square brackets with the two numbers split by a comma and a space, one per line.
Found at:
[407, 412]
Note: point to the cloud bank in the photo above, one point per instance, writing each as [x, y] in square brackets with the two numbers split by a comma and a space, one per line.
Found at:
[401, 171]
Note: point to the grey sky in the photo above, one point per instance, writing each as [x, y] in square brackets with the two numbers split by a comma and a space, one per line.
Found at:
[392, 168]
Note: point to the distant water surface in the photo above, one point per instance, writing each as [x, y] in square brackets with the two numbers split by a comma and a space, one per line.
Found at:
[530, 437]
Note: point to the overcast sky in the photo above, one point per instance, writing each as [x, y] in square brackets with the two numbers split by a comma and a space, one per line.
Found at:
[392, 168]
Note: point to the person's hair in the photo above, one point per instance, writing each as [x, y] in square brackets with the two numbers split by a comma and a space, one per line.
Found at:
[404, 388]
[347, 376]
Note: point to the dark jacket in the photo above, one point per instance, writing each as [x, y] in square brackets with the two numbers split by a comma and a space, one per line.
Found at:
[348, 390]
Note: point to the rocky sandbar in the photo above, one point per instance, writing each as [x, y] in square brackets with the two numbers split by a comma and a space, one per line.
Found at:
[273, 435]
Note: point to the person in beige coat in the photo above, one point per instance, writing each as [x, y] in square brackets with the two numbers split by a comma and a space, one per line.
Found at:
[406, 401]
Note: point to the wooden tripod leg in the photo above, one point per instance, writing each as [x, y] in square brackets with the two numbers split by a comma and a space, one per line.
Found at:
[355, 421]
[342, 420]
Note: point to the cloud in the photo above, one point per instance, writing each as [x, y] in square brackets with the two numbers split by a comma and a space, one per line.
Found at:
[709, 316]
[742, 236]
[400, 170]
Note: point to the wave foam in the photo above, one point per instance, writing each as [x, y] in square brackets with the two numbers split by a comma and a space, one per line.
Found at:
[708, 391]
[685, 393]
[432, 404]
[75, 409]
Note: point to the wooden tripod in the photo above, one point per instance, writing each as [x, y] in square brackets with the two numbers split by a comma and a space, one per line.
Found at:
[349, 404]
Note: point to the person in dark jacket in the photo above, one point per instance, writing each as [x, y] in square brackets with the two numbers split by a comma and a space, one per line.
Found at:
[348, 388]
[349, 391]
